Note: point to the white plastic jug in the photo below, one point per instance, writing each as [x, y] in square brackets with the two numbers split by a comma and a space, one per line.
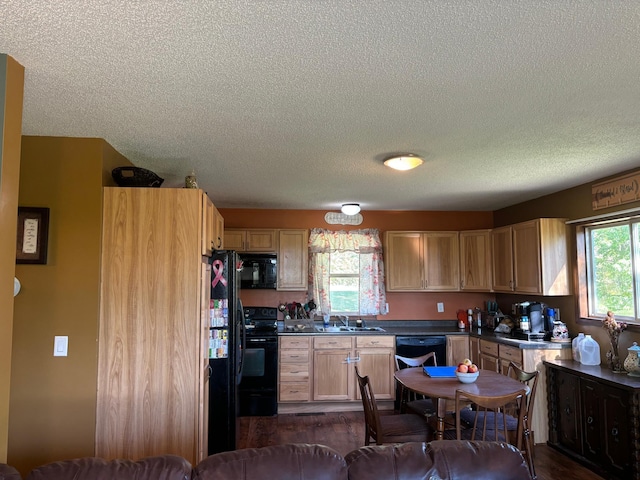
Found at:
[589, 351]
[575, 346]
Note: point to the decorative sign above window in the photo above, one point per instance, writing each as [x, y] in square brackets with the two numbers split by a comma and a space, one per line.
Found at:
[618, 191]
[338, 218]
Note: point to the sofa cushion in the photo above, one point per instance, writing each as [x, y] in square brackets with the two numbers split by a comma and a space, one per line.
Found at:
[162, 467]
[440, 459]
[277, 462]
[7, 472]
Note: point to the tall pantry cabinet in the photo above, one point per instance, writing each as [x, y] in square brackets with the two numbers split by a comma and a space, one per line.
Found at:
[152, 356]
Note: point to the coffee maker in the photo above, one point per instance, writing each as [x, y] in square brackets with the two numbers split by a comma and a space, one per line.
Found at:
[534, 328]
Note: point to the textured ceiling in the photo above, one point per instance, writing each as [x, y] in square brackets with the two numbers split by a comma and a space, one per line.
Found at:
[294, 104]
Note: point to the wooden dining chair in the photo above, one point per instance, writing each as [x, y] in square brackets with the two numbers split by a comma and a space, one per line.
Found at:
[403, 427]
[530, 379]
[490, 418]
[409, 400]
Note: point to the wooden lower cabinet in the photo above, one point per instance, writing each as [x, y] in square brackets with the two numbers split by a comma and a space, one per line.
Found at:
[294, 369]
[594, 417]
[491, 355]
[377, 360]
[457, 349]
[321, 368]
[333, 375]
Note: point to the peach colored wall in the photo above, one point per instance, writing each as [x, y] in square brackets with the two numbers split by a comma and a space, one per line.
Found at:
[53, 399]
[573, 203]
[11, 127]
[402, 306]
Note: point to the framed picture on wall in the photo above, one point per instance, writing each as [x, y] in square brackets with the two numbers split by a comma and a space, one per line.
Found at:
[33, 235]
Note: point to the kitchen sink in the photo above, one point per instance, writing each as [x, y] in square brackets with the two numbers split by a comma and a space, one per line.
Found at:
[343, 329]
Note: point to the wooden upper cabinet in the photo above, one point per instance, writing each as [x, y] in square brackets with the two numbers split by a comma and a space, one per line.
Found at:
[526, 257]
[212, 226]
[218, 231]
[207, 225]
[422, 261]
[535, 256]
[254, 240]
[441, 261]
[475, 260]
[403, 261]
[502, 253]
[293, 260]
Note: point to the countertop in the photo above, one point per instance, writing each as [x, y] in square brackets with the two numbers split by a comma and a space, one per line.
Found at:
[424, 327]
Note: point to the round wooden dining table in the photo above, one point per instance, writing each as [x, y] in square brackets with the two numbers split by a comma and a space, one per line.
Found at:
[443, 389]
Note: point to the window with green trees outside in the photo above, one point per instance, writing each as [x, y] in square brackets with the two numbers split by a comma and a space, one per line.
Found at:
[613, 269]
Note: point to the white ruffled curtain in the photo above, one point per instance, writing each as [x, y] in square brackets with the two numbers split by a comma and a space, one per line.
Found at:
[369, 247]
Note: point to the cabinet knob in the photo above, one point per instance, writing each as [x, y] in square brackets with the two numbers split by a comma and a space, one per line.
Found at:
[589, 420]
[567, 411]
[614, 432]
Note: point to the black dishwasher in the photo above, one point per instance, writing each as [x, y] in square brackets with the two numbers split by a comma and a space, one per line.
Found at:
[417, 345]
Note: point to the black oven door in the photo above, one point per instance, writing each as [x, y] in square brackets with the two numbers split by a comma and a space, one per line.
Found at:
[258, 390]
[260, 369]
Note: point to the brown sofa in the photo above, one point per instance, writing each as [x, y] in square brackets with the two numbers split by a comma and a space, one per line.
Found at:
[444, 459]
[7, 472]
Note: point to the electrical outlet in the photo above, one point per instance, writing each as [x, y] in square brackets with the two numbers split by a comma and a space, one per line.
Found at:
[440, 307]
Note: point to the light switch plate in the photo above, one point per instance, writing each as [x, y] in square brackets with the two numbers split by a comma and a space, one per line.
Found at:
[440, 307]
[60, 346]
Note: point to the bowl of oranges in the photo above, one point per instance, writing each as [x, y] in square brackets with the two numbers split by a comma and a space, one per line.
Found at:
[467, 371]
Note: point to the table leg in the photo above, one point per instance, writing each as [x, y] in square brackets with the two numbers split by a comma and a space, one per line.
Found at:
[441, 407]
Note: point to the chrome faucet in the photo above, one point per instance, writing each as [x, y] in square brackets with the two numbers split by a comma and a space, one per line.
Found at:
[344, 319]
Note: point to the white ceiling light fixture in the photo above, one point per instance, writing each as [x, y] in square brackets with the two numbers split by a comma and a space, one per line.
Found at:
[350, 208]
[404, 162]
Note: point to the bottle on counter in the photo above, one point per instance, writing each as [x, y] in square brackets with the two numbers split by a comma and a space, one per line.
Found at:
[589, 351]
[470, 317]
[525, 325]
[575, 346]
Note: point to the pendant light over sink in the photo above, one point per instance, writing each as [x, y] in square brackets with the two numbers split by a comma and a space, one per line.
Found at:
[350, 208]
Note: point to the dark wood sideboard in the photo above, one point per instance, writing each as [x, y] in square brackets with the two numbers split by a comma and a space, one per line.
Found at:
[594, 417]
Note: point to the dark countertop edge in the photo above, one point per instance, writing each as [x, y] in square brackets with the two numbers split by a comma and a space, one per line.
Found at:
[434, 328]
[600, 372]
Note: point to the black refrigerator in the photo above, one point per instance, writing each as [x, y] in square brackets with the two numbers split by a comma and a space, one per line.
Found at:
[226, 351]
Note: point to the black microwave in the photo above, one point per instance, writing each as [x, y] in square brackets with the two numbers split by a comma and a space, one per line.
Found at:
[259, 270]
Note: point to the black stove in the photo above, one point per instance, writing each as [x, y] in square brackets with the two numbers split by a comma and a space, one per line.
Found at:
[258, 388]
[261, 321]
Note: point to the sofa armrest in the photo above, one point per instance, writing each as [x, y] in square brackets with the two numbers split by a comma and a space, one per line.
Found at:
[440, 459]
[277, 462]
[162, 467]
[7, 472]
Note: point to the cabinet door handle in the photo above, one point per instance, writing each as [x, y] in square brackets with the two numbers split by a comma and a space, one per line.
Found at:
[567, 411]
[589, 420]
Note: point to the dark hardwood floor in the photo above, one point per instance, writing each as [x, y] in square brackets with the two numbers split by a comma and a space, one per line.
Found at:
[345, 432]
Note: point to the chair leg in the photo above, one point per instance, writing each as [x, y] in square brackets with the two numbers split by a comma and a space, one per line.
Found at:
[529, 453]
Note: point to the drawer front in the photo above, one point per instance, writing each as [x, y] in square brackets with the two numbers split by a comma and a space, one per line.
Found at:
[490, 348]
[294, 392]
[375, 341]
[508, 352]
[295, 342]
[332, 342]
[291, 372]
[294, 356]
